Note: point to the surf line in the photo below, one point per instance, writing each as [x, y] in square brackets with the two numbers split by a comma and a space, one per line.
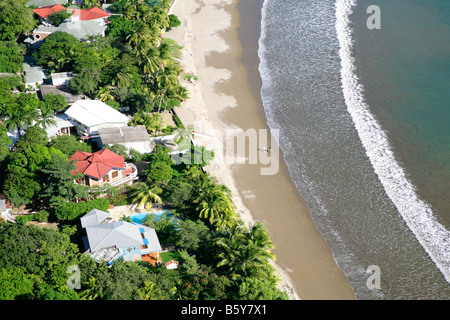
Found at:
[418, 216]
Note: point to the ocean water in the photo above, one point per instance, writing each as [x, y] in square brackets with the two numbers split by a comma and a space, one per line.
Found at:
[363, 117]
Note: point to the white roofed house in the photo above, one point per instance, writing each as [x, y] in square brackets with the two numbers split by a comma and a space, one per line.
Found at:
[61, 78]
[63, 126]
[90, 115]
[111, 240]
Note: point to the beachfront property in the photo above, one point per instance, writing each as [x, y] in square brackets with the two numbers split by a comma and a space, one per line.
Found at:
[136, 138]
[90, 115]
[103, 167]
[108, 241]
[82, 23]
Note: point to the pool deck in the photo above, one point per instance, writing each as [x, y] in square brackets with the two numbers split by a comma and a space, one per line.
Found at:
[127, 210]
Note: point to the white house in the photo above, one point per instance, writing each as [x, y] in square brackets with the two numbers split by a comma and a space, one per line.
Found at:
[90, 115]
[61, 78]
[63, 126]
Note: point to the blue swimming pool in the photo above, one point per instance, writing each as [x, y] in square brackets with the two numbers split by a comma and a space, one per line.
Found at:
[138, 217]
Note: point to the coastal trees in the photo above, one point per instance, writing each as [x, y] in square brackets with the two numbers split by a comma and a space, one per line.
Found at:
[145, 194]
[246, 253]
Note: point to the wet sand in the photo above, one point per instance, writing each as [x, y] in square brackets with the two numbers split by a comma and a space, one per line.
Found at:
[226, 96]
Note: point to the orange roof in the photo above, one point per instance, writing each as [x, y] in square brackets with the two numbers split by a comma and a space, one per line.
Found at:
[47, 11]
[97, 164]
[90, 14]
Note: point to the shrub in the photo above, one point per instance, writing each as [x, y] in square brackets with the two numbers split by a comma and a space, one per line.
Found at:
[72, 210]
[41, 216]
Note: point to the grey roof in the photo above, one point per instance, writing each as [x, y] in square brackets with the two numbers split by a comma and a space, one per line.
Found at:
[80, 29]
[123, 135]
[32, 72]
[62, 75]
[121, 234]
[2, 206]
[44, 3]
[70, 97]
[94, 217]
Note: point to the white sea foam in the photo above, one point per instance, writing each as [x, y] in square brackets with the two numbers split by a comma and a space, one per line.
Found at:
[418, 216]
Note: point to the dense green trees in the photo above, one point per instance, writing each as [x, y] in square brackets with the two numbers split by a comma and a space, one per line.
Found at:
[15, 19]
[69, 145]
[11, 60]
[58, 52]
[39, 258]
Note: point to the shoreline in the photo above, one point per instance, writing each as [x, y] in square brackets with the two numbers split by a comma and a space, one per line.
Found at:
[225, 97]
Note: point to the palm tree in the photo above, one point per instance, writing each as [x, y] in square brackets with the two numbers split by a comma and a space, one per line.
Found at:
[146, 194]
[141, 33]
[243, 256]
[91, 3]
[91, 292]
[105, 93]
[214, 203]
[13, 118]
[46, 119]
[20, 115]
[160, 18]
[150, 61]
[148, 292]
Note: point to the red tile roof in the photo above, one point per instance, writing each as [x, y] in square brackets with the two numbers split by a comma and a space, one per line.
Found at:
[97, 164]
[47, 11]
[90, 14]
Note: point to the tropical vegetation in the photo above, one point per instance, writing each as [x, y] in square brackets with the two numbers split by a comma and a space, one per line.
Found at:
[136, 69]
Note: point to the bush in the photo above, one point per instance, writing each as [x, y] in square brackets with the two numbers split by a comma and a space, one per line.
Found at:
[72, 210]
[41, 216]
[24, 219]
[174, 21]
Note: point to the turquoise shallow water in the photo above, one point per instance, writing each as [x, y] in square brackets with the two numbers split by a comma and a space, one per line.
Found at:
[405, 70]
[362, 116]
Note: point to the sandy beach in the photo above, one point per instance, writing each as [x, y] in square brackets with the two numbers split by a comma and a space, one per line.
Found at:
[224, 104]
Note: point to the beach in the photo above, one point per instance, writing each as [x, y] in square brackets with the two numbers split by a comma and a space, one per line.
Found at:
[224, 104]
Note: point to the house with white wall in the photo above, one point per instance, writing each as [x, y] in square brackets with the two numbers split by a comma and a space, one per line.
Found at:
[90, 115]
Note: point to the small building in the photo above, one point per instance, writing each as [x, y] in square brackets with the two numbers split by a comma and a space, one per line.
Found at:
[136, 138]
[102, 167]
[68, 95]
[90, 115]
[34, 75]
[44, 12]
[61, 78]
[108, 241]
[171, 264]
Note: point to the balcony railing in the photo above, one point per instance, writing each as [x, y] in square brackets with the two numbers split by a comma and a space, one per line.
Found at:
[132, 176]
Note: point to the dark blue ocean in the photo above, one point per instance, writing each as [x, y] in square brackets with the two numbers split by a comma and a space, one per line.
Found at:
[364, 119]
